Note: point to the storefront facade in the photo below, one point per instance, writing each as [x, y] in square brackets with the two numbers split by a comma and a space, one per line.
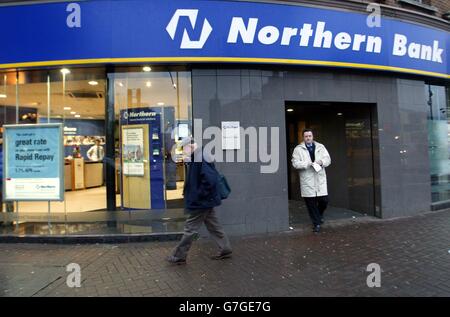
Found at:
[138, 76]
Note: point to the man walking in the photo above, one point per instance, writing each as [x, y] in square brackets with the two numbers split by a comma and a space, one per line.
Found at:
[311, 158]
[201, 195]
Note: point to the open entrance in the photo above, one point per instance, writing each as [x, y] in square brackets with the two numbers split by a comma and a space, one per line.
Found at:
[346, 130]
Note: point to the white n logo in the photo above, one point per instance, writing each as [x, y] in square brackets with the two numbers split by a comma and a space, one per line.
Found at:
[186, 42]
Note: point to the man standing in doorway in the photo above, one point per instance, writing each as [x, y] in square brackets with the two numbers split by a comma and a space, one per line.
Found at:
[311, 158]
[201, 195]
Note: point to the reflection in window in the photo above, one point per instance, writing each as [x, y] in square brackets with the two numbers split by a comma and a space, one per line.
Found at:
[439, 141]
[155, 182]
[8, 115]
[78, 101]
[74, 97]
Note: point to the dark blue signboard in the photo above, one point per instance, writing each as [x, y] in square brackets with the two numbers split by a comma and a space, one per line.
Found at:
[102, 31]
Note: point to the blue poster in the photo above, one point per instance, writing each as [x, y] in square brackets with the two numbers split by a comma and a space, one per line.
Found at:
[33, 162]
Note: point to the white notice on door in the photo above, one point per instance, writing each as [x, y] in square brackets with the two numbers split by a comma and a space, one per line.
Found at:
[231, 139]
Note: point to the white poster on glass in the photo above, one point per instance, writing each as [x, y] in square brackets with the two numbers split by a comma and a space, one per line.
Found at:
[231, 139]
[133, 151]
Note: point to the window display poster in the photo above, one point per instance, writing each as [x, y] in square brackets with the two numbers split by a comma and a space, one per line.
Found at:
[183, 130]
[133, 151]
[231, 135]
[33, 162]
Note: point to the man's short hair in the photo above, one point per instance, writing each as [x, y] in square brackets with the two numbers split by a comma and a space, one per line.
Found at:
[307, 130]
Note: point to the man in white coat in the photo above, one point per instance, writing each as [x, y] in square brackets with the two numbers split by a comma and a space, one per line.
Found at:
[311, 158]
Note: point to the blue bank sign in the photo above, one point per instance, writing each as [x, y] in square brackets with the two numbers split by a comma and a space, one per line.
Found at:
[102, 31]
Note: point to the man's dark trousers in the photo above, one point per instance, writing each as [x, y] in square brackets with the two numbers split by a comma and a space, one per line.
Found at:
[193, 223]
[316, 207]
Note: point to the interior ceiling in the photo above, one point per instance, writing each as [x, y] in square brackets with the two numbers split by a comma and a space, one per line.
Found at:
[35, 96]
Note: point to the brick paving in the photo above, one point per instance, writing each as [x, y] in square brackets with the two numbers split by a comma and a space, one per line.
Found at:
[414, 255]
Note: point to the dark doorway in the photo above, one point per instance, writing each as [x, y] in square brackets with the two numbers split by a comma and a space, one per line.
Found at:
[347, 132]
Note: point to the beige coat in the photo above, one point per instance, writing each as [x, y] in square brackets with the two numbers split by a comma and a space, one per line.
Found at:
[312, 183]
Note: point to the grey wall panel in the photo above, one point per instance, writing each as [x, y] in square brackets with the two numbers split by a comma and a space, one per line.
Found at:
[256, 98]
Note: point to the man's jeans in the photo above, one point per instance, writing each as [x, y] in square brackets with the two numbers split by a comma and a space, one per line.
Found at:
[316, 207]
[193, 223]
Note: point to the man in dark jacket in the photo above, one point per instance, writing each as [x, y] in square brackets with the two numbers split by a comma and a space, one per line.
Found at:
[201, 195]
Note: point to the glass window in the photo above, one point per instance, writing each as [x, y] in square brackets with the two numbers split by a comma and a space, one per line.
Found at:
[152, 108]
[153, 113]
[439, 141]
[8, 115]
[33, 107]
[76, 98]
[78, 101]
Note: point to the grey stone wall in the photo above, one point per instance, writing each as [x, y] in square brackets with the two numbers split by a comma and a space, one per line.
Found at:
[256, 97]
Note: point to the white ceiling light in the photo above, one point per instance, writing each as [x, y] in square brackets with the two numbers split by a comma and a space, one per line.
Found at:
[77, 116]
[72, 112]
[3, 96]
[120, 84]
[67, 108]
[148, 84]
[290, 110]
[93, 83]
[65, 71]
[147, 69]
[160, 103]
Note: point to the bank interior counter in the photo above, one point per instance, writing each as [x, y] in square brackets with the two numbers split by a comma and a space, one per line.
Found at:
[81, 174]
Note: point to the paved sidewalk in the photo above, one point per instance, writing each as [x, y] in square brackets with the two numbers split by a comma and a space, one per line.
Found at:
[414, 255]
